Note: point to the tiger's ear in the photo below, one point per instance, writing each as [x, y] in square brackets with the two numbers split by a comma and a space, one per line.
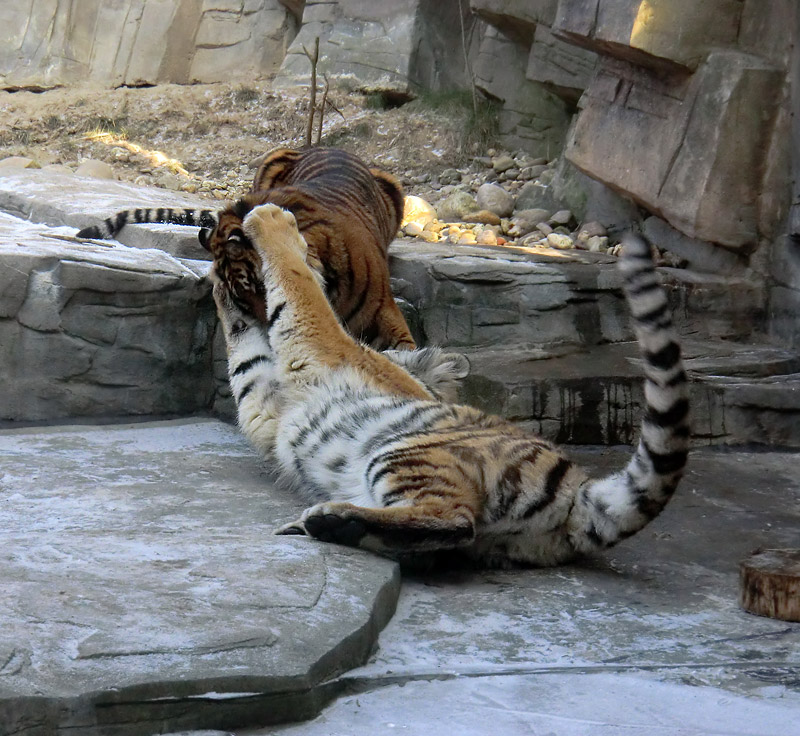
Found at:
[203, 235]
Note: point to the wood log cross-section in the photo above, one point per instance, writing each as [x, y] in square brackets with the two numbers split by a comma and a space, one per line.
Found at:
[769, 583]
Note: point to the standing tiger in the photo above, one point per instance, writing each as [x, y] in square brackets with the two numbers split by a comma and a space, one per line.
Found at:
[348, 215]
[391, 468]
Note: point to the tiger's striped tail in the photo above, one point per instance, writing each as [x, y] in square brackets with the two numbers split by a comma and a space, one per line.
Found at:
[613, 508]
[167, 215]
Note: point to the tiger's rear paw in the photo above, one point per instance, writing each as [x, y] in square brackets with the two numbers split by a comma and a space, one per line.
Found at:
[269, 227]
[334, 523]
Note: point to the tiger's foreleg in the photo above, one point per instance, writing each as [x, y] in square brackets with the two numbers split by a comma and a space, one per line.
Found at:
[301, 326]
[432, 524]
[252, 375]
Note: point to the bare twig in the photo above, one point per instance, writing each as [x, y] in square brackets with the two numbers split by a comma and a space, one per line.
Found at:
[312, 105]
[322, 109]
[336, 109]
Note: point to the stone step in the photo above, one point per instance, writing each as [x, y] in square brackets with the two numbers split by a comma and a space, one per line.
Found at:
[740, 393]
[53, 198]
[142, 589]
[492, 296]
[100, 329]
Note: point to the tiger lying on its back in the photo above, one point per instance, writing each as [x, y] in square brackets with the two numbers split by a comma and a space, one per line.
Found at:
[394, 470]
[348, 215]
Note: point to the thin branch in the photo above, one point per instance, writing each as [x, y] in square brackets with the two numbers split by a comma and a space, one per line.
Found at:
[312, 106]
[336, 109]
[322, 108]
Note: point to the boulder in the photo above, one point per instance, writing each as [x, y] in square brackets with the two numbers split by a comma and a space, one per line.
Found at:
[525, 221]
[534, 196]
[96, 169]
[596, 244]
[483, 217]
[561, 217]
[456, 206]
[416, 209]
[495, 199]
[503, 163]
[18, 162]
[560, 241]
[705, 137]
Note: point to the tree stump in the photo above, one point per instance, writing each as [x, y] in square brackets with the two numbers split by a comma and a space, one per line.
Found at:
[769, 583]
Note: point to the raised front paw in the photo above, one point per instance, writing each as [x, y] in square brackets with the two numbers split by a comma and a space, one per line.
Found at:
[271, 228]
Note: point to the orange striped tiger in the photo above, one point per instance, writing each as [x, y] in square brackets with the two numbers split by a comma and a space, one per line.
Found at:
[393, 469]
[348, 215]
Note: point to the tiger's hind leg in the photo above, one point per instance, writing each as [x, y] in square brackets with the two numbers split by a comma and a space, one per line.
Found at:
[430, 525]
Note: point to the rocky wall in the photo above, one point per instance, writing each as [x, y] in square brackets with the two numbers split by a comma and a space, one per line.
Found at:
[136, 42]
[392, 46]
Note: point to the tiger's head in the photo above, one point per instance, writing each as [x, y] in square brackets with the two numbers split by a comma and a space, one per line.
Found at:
[237, 263]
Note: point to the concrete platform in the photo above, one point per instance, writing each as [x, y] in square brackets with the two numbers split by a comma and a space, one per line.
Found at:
[141, 592]
[647, 640]
[141, 588]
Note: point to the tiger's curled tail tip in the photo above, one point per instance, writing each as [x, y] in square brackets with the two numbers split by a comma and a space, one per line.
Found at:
[90, 233]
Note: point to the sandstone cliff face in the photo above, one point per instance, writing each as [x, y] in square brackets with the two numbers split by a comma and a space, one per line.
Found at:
[684, 108]
[395, 46]
[135, 42]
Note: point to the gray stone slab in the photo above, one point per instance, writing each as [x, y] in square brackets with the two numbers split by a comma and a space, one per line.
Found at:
[740, 393]
[142, 589]
[546, 703]
[473, 297]
[53, 198]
